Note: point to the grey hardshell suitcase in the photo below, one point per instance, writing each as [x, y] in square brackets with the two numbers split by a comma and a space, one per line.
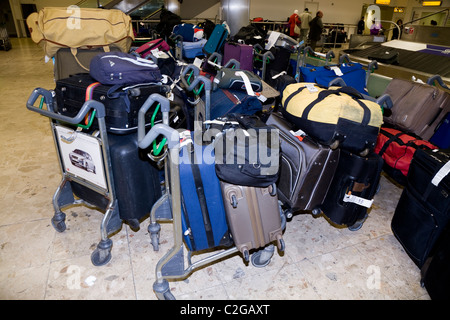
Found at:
[254, 217]
[307, 168]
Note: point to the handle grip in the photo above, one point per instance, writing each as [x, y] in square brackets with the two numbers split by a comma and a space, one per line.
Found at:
[165, 109]
[48, 98]
[172, 136]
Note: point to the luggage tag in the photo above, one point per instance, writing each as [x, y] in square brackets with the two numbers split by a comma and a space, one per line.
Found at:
[357, 200]
[185, 138]
[337, 71]
[311, 87]
[299, 134]
[441, 174]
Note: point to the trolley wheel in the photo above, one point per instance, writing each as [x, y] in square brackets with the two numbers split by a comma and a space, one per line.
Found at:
[102, 255]
[154, 230]
[358, 224]
[162, 290]
[262, 258]
[58, 221]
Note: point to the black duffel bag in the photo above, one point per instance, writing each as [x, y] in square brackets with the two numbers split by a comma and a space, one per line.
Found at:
[247, 151]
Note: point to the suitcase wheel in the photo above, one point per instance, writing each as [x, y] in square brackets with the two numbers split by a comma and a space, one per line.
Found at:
[261, 258]
[358, 224]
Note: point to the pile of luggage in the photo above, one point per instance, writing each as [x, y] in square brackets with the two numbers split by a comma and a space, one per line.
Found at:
[226, 136]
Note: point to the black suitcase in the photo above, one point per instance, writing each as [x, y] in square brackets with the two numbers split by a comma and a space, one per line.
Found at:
[435, 272]
[384, 55]
[306, 169]
[423, 210]
[352, 189]
[136, 181]
[71, 94]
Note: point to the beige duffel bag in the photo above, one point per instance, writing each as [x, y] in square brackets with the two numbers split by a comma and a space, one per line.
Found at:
[80, 28]
[333, 116]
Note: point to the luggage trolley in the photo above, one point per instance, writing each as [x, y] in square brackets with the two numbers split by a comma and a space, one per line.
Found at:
[81, 154]
[169, 206]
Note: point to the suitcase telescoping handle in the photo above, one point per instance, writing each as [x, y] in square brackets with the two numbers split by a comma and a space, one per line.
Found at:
[48, 99]
[165, 109]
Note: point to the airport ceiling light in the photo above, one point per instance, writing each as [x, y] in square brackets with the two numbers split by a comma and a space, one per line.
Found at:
[386, 2]
[431, 3]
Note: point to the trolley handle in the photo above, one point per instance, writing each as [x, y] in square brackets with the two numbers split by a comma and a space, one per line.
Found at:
[50, 113]
[385, 101]
[172, 136]
[165, 109]
[439, 80]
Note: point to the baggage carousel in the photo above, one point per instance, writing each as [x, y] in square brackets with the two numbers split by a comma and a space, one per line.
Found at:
[420, 60]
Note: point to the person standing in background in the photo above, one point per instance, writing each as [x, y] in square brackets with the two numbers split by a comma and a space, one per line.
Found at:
[397, 34]
[315, 30]
[361, 26]
[294, 20]
[305, 18]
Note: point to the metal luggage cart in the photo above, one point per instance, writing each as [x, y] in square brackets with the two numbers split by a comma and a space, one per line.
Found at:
[76, 169]
[168, 207]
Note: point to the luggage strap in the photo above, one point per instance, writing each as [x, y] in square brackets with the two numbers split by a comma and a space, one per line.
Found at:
[202, 200]
[396, 138]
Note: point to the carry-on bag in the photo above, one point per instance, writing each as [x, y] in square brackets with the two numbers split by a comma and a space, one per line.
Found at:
[66, 64]
[337, 116]
[247, 151]
[417, 107]
[217, 39]
[147, 48]
[435, 272]
[203, 212]
[423, 211]
[224, 101]
[352, 189]
[306, 167]
[190, 50]
[190, 32]
[123, 68]
[122, 103]
[83, 28]
[397, 149]
[243, 53]
[254, 216]
[353, 75]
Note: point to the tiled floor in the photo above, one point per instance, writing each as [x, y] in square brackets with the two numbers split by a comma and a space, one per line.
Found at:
[321, 261]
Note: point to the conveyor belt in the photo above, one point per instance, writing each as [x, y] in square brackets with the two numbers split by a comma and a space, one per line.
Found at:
[429, 59]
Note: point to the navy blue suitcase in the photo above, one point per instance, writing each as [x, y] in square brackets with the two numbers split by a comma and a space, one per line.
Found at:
[441, 137]
[203, 213]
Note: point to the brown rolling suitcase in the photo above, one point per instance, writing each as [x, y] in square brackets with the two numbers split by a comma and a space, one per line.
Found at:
[417, 107]
[307, 168]
[253, 215]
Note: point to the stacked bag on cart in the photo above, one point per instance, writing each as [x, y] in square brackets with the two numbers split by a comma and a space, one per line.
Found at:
[416, 121]
[337, 118]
